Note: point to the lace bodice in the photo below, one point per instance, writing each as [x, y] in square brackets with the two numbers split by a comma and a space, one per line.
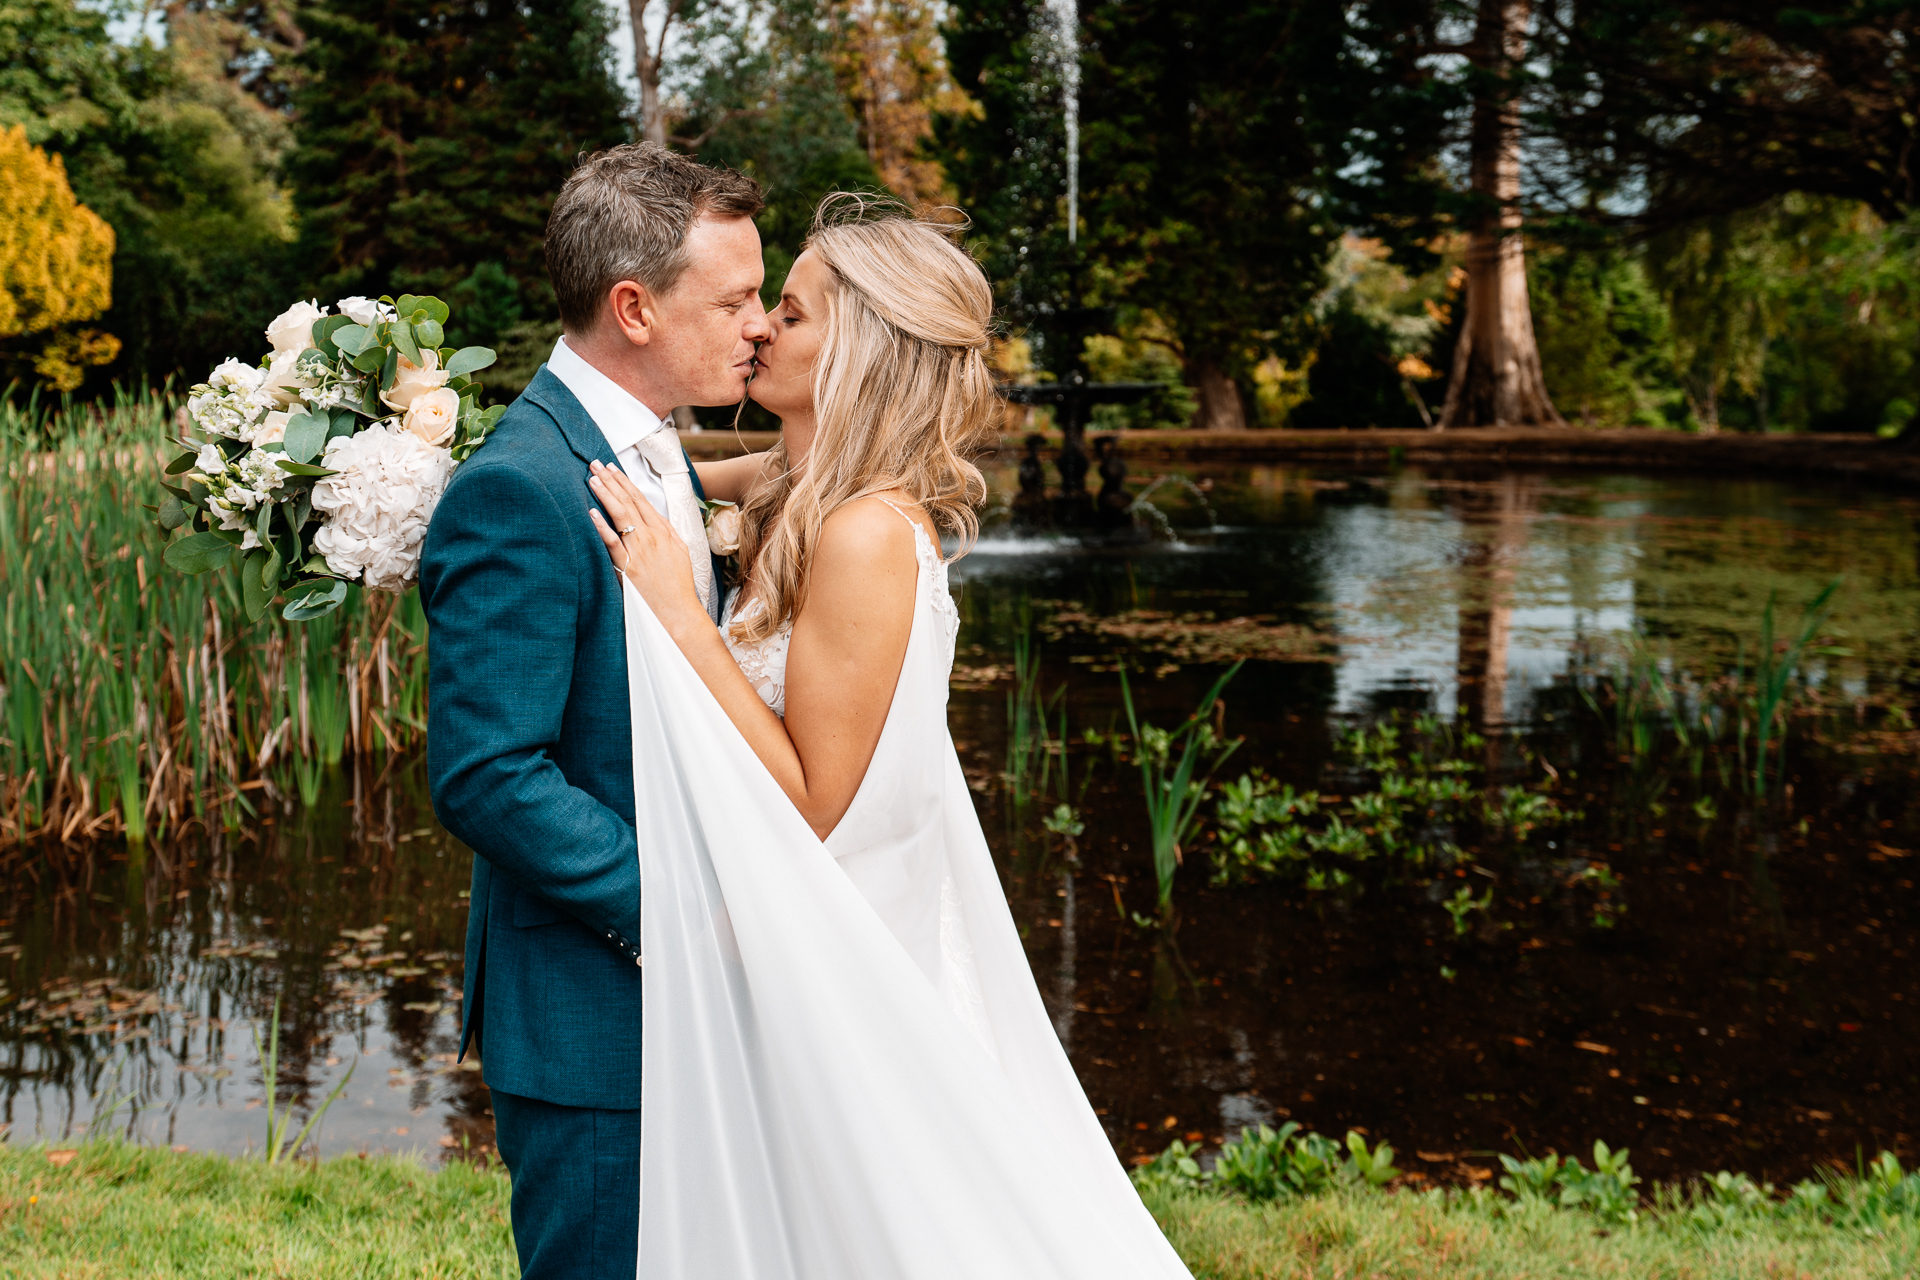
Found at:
[764, 662]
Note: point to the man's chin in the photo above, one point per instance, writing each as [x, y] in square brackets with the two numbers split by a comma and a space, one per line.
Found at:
[724, 395]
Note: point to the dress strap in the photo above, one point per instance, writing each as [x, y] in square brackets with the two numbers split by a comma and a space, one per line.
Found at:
[903, 513]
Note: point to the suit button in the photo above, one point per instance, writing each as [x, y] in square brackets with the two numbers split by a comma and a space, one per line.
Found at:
[639, 962]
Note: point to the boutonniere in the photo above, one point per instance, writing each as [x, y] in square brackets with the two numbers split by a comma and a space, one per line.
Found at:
[723, 527]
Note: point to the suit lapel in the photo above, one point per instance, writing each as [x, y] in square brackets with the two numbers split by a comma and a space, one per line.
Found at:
[589, 444]
[576, 425]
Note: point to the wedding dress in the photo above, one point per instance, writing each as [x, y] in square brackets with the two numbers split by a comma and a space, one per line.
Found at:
[848, 1071]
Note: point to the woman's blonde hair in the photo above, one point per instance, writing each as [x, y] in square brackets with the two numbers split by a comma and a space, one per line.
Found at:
[901, 390]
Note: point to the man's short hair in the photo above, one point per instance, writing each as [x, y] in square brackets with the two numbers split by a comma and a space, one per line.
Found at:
[624, 214]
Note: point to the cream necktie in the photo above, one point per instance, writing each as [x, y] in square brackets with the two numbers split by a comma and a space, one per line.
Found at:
[662, 451]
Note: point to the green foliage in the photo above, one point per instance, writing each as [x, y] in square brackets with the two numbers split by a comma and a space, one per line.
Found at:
[1263, 1164]
[1420, 794]
[431, 137]
[1377, 324]
[1174, 787]
[1606, 338]
[1606, 1190]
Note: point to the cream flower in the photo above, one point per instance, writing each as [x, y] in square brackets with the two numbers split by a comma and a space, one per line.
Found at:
[284, 379]
[272, 428]
[292, 329]
[414, 380]
[723, 529]
[378, 505]
[433, 415]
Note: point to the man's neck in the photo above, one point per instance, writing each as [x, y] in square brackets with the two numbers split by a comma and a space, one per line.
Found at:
[606, 358]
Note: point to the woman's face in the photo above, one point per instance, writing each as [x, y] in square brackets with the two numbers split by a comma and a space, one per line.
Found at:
[783, 367]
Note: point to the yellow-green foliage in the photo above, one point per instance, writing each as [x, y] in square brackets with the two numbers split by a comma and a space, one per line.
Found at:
[56, 263]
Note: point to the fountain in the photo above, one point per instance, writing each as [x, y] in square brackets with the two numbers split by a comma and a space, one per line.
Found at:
[1071, 395]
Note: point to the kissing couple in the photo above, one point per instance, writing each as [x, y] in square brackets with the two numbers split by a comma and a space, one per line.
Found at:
[749, 997]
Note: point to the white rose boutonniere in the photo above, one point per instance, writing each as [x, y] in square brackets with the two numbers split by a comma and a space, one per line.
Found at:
[723, 528]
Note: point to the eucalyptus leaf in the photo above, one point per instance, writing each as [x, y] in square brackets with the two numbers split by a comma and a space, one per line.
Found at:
[428, 334]
[172, 514]
[306, 434]
[270, 573]
[351, 338]
[182, 463]
[436, 310]
[324, 332]
[263, 523]
[406, 304]
[369, 358]
[470, 360]
[390, 370]
[345, 423]
[197, 553]
[253, 592]
[406, 344]
[305, 605]
[302, 468]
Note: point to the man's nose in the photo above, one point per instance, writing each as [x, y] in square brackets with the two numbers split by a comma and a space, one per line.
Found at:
[756, 328]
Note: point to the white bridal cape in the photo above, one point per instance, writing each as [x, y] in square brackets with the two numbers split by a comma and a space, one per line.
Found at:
[849, 1074]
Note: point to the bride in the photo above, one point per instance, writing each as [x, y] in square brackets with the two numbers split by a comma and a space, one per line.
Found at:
[848, 1071]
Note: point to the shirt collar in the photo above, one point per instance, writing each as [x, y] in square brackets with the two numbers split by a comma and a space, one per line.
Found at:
[622, 419]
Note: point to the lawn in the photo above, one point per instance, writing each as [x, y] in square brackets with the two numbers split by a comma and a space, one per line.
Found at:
[116, 1210]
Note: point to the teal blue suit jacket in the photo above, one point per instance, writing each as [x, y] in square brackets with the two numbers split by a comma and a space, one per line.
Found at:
[530, 757]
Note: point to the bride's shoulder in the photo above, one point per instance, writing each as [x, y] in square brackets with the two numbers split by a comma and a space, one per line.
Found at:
[868, 535]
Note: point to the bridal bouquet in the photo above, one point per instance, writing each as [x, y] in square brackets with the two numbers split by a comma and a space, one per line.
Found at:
[321, 465]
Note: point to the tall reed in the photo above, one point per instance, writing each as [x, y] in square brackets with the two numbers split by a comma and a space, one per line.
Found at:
[138, 703]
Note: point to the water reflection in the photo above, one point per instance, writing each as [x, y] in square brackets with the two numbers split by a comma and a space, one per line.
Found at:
[1750, 1002]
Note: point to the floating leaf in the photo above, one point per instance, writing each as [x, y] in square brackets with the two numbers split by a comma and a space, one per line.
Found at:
[198, 552]
[470, 360]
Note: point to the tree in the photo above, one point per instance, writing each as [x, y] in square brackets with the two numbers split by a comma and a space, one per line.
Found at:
[431, 137]
[1199, 175]
[1711, 106]
[56, 268]
[1496, 376]
[894, 75]
[158, 142]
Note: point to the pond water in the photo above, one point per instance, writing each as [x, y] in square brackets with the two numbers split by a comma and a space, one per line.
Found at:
[1595, 917]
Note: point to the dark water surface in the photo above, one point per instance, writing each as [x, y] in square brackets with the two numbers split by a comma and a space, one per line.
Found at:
[1710, 976]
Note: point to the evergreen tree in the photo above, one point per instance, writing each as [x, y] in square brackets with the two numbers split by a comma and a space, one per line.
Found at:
[1201, 172]
[431, 137]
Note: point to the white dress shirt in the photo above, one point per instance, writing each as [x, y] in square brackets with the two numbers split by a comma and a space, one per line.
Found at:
[622, 419]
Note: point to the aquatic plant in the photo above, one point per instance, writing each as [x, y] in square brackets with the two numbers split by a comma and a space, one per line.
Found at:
[1175, 785]
[136, 702]
[1773, 672]
[277, 1120]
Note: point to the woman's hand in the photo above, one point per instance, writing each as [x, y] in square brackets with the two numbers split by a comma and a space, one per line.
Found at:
[645, 548]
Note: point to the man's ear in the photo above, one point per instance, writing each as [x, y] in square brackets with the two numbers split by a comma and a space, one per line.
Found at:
[633, 312]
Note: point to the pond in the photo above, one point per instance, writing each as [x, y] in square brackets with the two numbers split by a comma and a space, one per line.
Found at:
[1565, 875]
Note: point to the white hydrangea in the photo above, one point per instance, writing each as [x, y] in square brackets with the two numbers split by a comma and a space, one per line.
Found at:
[378, 505]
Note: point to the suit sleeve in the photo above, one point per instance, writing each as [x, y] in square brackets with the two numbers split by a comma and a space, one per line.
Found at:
[502, 602]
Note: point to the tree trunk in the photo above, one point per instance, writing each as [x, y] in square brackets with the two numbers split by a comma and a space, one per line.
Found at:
[1220, 408]
[1496, 366]
[646, 66]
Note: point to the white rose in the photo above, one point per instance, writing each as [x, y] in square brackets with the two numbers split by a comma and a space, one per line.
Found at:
[413, 380]
[723, 529]
[433, 415]
[272, 428]
[292, 329]
[236, 376]
[363, 310]
[283, 381]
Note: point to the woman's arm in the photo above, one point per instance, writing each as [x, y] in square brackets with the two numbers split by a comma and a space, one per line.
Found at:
[844, 659]
[731, 479]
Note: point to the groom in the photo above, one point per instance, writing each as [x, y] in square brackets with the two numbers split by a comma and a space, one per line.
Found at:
[656, 265]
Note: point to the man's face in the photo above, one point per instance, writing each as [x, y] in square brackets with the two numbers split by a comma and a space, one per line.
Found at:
[712, 318]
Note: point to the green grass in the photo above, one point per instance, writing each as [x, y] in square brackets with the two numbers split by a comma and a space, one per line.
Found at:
[117, 1210]
[1412, 1236]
